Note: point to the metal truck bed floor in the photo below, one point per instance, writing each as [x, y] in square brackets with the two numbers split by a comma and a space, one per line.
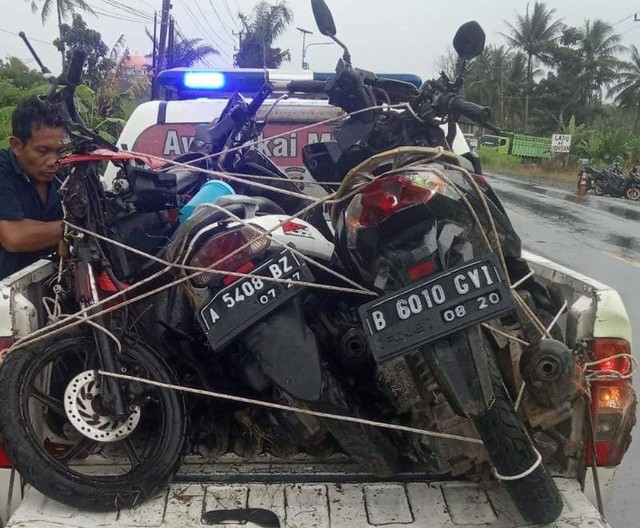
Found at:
[389, 505]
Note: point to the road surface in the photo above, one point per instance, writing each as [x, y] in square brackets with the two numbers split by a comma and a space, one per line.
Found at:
[600, 237]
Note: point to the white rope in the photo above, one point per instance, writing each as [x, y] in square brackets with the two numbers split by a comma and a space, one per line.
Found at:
[524, 474]
[298, 410]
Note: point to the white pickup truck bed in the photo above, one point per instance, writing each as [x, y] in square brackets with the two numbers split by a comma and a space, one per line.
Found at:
[317, 505]
[311, 497]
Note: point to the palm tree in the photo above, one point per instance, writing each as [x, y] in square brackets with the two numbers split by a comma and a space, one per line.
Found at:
[533, 33]
[260, 30]
[186, 51]
[190, 51]
[627, 89]
[599, 47]
[63, 8]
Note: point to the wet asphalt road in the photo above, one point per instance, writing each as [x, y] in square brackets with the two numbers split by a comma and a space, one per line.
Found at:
[599, 237]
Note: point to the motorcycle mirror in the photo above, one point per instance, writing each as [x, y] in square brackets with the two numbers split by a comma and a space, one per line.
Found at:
[469, 40]
[324, 18]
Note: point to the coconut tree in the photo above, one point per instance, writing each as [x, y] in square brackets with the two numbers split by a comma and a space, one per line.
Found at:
[627, 88]
[599, 47]
[63, 9]
[260, 30]
[532, 33]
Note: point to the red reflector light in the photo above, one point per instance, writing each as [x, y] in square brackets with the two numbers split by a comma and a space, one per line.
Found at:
[424, 269]
[222, 252]
[385, 197]
[5, 463]
[610, 352]
[245, 268]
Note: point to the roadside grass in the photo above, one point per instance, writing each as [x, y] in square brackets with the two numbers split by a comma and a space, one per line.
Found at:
[544, 171]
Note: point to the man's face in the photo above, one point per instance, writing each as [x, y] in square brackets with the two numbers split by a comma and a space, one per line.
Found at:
[38, 156]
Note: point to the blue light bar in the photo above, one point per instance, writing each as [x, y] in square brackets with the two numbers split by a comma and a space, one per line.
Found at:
[204, 80]
[189, 82]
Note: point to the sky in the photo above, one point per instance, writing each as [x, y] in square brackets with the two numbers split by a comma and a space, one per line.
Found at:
[381, 35]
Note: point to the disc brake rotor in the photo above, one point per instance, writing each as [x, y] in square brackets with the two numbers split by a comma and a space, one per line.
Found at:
[79, 398]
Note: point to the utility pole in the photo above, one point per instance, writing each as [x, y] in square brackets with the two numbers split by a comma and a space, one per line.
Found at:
[154, 60]
[238, 34]
[172, 41]
[304, 32]
[164, 26]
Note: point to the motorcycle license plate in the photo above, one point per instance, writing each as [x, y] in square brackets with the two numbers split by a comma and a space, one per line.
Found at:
[436, 307]
[250, 299]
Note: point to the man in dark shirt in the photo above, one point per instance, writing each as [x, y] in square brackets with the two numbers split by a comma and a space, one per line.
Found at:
[30, 209]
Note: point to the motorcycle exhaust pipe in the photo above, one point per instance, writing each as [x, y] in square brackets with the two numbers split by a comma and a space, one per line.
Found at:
[551, 373]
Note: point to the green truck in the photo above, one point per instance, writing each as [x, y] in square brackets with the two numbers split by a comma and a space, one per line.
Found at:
[518, 145]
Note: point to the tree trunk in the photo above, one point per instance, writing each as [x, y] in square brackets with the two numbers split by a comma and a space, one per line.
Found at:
[59, 10]
[526, 100]
[635, 124]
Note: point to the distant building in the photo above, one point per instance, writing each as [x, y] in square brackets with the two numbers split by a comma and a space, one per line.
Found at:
[135, 66]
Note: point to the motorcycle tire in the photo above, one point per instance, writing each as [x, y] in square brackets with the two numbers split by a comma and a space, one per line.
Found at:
[599, 190]
[366, 445]
[511, 452]
[138, 462]
[633, 193]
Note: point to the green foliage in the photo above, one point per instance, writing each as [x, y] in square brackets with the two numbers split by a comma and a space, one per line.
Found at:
[265, 24]
[79, 36]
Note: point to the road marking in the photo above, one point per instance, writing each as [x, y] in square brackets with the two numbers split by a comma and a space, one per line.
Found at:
[517, 210]
[626, 260]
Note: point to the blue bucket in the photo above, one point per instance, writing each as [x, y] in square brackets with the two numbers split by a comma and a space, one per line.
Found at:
[208, 193]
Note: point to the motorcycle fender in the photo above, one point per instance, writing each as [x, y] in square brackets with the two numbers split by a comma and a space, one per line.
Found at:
[297, 233]
[287, 352]
[462, 372]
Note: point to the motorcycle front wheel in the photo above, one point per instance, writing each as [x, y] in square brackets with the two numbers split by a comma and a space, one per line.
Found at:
[599, 190]
[63, 443]
[633, 193]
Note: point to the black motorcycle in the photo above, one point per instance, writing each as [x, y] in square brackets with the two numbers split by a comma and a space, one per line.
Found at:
[57, 410]
[615, 184]
[407, 232]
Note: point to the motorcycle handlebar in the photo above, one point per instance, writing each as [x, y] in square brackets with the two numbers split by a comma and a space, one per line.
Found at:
[459, 106]
[306, 86]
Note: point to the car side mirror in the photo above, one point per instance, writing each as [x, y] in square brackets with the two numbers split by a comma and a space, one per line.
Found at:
[469, 40]
[324, 18]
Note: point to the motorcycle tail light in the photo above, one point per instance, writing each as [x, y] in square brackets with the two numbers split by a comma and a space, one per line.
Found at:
[5, 463]
[389, 195]
[613, 403]
[216, 253]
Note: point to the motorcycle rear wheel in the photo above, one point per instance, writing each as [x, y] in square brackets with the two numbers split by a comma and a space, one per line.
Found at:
[135, 466]
[511, 452]
[599, 190]
[633, 193]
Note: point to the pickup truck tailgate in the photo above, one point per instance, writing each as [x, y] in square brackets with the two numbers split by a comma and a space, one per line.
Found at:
[317, 505]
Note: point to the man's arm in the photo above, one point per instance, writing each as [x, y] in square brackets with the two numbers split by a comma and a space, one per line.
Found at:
[23, 236]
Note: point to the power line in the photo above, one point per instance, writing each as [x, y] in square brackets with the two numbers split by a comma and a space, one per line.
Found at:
[128, 9]
[630, 30]
[119, 17]
[222, 24]
[625, 19]
[203, 31]
[214, 34]
[231, 15]
[31, 39]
